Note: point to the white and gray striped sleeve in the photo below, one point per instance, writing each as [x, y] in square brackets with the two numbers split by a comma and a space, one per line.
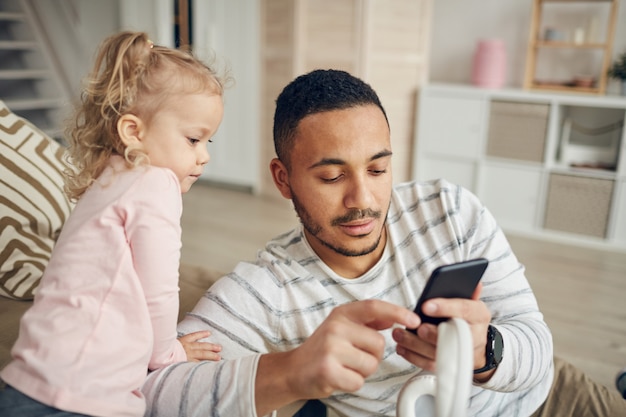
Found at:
[194, 389]
[528, 348]
[224, 388]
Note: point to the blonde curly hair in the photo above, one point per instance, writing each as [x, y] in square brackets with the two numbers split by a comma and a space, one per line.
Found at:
[130, 75]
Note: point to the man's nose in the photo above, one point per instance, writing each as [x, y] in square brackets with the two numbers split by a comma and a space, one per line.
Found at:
[358, 195]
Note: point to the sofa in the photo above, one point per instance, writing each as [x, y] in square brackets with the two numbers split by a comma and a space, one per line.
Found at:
[33, 208]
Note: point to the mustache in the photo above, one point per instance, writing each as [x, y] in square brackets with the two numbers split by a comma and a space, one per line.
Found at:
[356, 214]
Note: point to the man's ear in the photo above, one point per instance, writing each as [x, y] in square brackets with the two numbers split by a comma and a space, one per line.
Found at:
[129, 128]
[280, 177]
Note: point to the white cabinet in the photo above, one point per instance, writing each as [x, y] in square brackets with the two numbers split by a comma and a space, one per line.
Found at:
[551, 165]
[453, 132]
[451, 119]
[511, 193]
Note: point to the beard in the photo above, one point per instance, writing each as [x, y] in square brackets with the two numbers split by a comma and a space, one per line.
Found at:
[315, 229]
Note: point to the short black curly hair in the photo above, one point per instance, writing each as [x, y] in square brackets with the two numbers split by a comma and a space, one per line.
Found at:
[315, 92]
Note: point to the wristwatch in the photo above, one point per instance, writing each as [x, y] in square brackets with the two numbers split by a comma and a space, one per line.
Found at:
[493, 350]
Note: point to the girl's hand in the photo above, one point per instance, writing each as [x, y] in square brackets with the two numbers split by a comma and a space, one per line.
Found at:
[200, 351]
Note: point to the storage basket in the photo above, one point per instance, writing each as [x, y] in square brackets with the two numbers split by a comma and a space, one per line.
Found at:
[578, 204]
[517, 130]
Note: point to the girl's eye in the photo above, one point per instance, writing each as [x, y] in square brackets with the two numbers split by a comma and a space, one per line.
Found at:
[193, 141]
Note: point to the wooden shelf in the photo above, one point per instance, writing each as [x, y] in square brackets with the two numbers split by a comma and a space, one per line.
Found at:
[537, 43]
[555, 44]
[564, 88]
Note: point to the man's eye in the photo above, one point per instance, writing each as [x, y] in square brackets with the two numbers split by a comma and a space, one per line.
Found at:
[331, 180]
[378, 171]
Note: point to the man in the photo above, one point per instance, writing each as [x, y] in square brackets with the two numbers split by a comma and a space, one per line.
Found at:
[322, 312]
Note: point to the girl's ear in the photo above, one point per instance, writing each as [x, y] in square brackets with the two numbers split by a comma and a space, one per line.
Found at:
[280, 177]
[129, 128]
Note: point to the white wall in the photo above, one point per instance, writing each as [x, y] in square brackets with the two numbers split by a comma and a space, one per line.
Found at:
[459, 24]
[155, 17]
[457, 27]
[75, 29]
[230, 29]
[227, 33]
[226, 30]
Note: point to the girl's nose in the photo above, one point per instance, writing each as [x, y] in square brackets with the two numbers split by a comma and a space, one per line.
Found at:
[204, 156]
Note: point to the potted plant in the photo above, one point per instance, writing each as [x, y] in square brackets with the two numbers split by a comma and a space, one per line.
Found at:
[618, 71]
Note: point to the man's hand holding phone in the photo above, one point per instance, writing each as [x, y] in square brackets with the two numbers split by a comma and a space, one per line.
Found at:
[460, 283]
[458, 280]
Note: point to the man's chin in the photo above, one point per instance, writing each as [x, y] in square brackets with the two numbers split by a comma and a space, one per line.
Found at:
[354, 251]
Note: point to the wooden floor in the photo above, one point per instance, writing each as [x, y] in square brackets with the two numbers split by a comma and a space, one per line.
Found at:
[581, 291]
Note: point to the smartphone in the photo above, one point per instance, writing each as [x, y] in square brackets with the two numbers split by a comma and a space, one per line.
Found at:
[458, 280]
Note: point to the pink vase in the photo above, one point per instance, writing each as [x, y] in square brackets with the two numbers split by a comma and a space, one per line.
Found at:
[489, 67]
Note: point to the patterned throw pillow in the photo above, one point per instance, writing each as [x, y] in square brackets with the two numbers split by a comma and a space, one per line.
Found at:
[33, 206]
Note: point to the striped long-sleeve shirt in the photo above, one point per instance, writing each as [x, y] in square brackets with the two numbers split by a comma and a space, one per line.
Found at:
[277, 302]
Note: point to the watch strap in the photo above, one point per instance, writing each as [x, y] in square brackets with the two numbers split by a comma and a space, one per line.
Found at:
[493, 357]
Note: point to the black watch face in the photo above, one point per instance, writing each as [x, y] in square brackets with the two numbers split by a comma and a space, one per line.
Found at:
[498, 346]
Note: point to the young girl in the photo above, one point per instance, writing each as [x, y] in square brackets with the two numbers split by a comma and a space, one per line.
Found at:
[105, 312]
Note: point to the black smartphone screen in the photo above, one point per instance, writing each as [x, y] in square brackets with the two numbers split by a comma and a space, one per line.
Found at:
[458, 280]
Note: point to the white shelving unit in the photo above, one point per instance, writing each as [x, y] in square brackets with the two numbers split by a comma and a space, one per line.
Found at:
[551, 165]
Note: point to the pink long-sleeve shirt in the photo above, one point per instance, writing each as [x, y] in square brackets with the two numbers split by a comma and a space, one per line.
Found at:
[107, 305]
